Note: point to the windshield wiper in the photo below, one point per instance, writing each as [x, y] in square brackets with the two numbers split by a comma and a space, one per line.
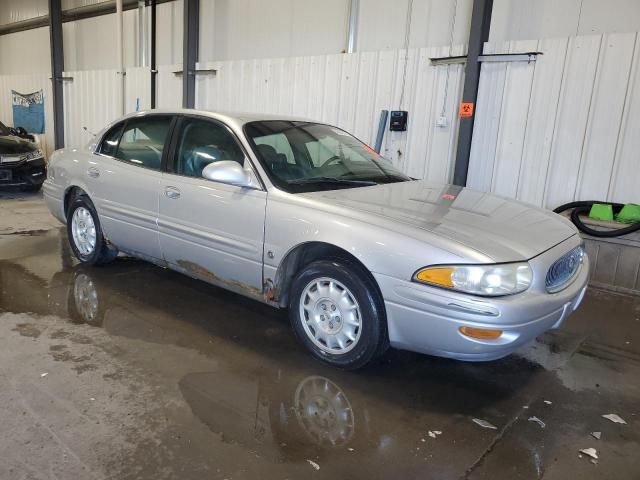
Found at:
[331, 180]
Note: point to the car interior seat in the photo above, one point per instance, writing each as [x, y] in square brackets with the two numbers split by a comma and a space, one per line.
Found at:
[278, 164]
[199, 157]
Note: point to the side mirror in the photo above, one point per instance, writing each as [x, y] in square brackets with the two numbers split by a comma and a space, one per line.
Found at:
[229, 172]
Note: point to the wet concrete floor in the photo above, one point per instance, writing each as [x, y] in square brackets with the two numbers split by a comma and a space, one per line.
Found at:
[130, 371]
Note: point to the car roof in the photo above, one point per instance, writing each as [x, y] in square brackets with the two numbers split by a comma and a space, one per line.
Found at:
[237, 118]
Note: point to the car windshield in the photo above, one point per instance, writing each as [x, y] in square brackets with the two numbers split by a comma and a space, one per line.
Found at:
[304, 156]
[4, 130]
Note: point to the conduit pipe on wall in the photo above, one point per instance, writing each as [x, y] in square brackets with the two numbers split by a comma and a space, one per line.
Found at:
[142, 34]
[352, 26]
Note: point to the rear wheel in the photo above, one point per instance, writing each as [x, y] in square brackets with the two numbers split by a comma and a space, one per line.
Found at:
[338, 313]
[85, 234]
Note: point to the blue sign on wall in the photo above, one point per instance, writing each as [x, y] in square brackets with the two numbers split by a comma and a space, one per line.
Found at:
[28, 111]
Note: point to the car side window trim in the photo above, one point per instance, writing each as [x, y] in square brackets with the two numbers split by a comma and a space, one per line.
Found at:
[169, 143]
[121, 126]
[173, 147]
[170, 160]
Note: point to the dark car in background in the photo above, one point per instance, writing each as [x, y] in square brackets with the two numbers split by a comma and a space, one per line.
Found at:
[22, 163]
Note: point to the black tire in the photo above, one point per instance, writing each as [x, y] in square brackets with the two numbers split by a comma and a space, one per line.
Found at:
[373, 339]
[102, 252]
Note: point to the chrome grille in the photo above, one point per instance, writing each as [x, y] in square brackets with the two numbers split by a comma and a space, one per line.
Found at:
[14, 160]
[564, 270]
[11, 160]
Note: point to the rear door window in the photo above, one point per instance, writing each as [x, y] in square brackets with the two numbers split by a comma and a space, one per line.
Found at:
[143, 141]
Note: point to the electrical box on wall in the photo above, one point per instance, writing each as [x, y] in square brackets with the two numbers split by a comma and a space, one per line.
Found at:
[398, 122]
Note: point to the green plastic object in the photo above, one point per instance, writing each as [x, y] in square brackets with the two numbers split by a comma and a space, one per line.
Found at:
[600, 211]
[630, 213]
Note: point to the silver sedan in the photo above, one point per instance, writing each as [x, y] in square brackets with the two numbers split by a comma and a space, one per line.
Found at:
[302, 215]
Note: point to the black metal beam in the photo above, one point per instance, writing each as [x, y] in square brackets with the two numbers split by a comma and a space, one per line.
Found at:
[154, 66]
[57, 67]
[190, 52]
[478, 35]
[72, 15]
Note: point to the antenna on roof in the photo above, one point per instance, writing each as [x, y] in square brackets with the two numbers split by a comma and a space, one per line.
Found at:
[89, 131]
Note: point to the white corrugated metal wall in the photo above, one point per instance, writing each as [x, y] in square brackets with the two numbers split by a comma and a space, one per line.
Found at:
[91, 100]
[562, 128]
[548, 132]
[137, 89]
[350, 90]
[169, 81]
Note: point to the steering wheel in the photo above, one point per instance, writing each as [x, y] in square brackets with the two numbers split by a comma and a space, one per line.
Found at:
[329, 161]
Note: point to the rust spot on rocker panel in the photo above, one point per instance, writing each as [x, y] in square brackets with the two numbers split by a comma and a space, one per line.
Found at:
[200, 272]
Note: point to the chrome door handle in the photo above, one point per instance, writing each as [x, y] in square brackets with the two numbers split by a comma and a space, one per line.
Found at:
[172, 192]
[93, 172]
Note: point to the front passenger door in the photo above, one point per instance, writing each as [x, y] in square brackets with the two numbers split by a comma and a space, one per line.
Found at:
[207, 229]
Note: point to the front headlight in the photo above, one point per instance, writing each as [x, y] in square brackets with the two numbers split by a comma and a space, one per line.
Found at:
[34, 155]
[487, 280]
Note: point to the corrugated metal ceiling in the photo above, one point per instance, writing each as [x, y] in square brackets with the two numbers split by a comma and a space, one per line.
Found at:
[12, 11]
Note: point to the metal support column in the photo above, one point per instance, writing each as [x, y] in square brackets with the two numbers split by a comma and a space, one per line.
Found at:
[57, 67]
[190, 52]
[154, 67]
[478, 35]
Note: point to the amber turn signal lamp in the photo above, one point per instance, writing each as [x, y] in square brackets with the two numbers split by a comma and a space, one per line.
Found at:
[480, 333]
[437, 276]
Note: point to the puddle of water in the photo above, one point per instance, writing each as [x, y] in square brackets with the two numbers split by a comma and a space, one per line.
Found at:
[231, 366]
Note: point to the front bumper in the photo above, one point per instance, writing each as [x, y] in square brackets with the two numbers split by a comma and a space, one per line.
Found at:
[427, 319]
[23, 174]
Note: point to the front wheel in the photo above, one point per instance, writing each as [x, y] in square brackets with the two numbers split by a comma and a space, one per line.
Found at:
[337, 312]
[85, 234]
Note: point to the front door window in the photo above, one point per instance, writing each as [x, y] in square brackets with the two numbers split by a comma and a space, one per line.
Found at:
[202, 142]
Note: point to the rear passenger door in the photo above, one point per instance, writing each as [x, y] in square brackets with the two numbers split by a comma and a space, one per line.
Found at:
[126, 181]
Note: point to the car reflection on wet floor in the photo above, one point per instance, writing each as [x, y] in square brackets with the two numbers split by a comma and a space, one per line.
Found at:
[218, 384]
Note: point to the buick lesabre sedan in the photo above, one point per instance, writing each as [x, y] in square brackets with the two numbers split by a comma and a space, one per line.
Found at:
[302, 215]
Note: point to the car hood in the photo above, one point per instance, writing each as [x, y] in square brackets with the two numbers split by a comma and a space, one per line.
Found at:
[12, 145]
[502, 229]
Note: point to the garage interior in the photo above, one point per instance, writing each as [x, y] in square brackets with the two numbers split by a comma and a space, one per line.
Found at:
[131, 370]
